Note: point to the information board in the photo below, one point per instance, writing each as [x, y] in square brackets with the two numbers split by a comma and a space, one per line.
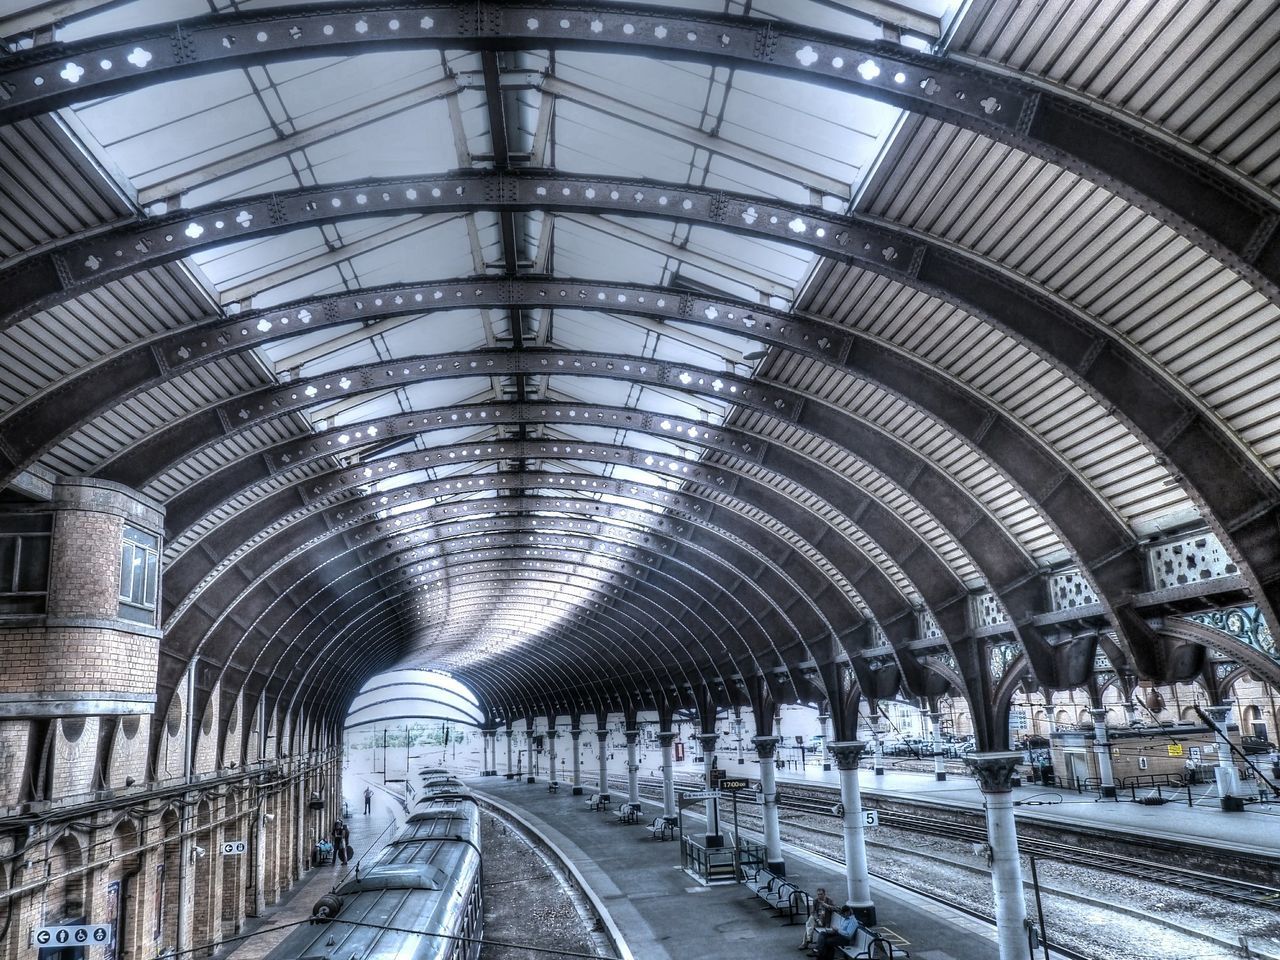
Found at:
[738, 784]
[233, 848]
[74, 935]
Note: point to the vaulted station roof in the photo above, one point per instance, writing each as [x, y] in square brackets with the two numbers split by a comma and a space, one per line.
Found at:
[610, 354]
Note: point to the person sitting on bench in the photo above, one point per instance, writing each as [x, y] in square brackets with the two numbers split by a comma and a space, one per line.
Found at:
[839, 934]
[820, 910]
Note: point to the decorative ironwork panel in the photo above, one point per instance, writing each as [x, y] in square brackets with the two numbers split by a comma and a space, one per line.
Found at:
[1190, 560]
[1241, 623]
[1069, 589]
[1002, 654]
[987, 610]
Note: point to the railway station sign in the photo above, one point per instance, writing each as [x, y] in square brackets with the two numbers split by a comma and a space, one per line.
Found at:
[738, 784]
[74, 935]
[233, 848]
[871, 818]
[700, 795]
[1175, 749]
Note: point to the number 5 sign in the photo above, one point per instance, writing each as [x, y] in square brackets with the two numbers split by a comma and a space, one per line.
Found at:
[871, 818]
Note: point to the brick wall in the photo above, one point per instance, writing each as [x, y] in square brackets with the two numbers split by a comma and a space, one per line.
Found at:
[14, 736]
[84, 566]
[81, 660]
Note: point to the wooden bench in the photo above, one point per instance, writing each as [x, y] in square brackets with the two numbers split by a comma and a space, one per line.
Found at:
[779, 893]
[598, 801]
[662, 829]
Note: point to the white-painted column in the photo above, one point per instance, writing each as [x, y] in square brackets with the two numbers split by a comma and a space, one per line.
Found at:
[553, 774]
[510, 771]
[1102, 751]
[823, 720]
[878, 755]
[858, 881]
[633, 768]
[713, 837]
[939, 746]
[665, 739]
[576, 734]
[994, 772]
[603, 737]
[766, 750]
[1225, 772]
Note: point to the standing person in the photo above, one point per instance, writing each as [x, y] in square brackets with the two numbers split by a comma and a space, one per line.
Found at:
[820, 909]
[368, 799]
[840, 935]
[341, 840]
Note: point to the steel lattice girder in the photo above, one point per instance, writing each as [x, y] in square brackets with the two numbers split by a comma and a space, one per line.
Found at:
[935, 581]
[1085, 523]
[1103, 547]
[1006, 567]
[414, 554]
[921, 563]
[1165, 419]
[1235, 222]
[746, 555]
[747, 572]
[353, 519]
[893, 612]
[481, 507]
[341, 515]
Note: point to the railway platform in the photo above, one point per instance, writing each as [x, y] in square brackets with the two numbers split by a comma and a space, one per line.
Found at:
[1256, 830]
[664, 913]
[368, 835]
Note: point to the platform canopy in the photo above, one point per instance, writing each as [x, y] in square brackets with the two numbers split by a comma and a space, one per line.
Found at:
[621, 355]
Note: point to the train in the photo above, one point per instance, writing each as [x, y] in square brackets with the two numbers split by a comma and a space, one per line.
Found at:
[421, 898]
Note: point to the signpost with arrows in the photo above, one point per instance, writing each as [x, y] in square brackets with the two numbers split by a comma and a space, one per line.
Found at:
[74, 935]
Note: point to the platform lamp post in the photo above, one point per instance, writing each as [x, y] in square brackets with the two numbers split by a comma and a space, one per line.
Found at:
[994, 773]
[766, 750]
[847, 754]
[576, 735]
[665, 740]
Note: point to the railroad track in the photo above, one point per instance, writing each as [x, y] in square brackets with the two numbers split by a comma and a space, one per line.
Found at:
[1238, 891]
[651, 787]
[825, 804]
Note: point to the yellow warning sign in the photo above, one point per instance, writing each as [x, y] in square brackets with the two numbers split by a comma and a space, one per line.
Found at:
[1175, 749]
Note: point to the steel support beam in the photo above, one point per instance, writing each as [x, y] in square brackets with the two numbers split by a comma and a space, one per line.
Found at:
[1234, 220]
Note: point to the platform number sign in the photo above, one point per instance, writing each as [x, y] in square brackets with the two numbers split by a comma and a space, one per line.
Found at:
[74, 935]
[871, 818]
[233, 848]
